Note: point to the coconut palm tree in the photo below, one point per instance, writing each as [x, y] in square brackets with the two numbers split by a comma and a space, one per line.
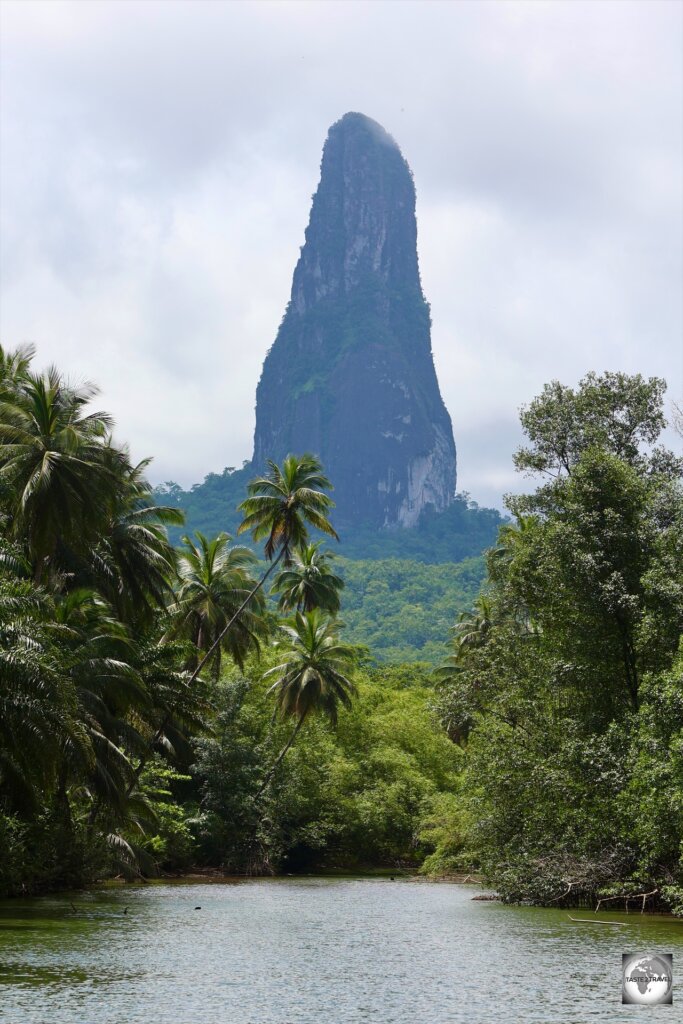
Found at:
[470, 632]
[472, 628]
[214, 582]
[132, 697]
[313, 676]
[280, 508]
[54, 468]
[309, 582]
[98, 657]
[282, 505]
[39, 712]
[509, 536]
[134, 564]
[179, 707]
[14, 365]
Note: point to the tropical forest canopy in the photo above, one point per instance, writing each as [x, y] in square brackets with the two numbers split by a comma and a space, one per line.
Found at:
[463, 530]
[196, 705]
[404, 588]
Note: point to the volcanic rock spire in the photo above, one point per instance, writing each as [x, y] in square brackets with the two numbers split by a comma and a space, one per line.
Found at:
[350, 376]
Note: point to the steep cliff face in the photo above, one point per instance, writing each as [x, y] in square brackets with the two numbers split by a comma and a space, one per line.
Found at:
[350, 376]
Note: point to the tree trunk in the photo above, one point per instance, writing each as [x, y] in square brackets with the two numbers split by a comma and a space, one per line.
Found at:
[157, 735]
[145, 758]
[279, 758]
[237, 614]
[630, 662]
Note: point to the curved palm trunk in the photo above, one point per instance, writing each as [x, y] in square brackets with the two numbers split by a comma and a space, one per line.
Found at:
[237, 614]
[217, 666]
[158, 734]
[279, 758]
[145, 758]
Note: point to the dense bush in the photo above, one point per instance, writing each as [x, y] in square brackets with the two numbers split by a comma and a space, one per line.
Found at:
[350, 797]
[565, 684]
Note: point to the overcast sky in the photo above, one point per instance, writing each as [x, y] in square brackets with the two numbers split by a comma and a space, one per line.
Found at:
[158, 162]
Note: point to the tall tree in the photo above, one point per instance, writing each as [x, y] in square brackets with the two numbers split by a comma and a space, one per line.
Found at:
[586, 596]
[39, 711]
[14, 366]
[309, 582]
[616, 412]
[98, 657]
[215, 581]
[55, 468]
[280, 508]
[134, 564]
[312, 677]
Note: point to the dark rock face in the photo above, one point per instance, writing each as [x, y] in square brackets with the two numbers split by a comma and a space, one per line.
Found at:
[350, 376]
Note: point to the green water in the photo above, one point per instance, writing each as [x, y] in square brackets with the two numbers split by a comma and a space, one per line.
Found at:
[316, 951]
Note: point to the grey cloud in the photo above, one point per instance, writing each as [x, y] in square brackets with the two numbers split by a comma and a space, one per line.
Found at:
[158, 161]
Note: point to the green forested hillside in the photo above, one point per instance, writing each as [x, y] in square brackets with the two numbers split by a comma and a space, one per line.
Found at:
[403, 610]
[463, 531]
[404, 588]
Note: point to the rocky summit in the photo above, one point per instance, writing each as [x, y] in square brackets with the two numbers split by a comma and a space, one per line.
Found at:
[350, 376]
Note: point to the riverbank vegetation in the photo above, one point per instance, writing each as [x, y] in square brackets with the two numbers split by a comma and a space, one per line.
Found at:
[172, 707]
[156, 711]
[565, 683]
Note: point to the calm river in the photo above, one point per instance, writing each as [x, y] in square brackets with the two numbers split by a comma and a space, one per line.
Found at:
[316, 951]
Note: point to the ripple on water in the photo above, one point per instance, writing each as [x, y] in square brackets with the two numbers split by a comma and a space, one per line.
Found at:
[311, 951]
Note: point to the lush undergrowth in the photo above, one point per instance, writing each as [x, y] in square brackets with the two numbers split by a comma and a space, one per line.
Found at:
[365, 794]
[358, 795]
